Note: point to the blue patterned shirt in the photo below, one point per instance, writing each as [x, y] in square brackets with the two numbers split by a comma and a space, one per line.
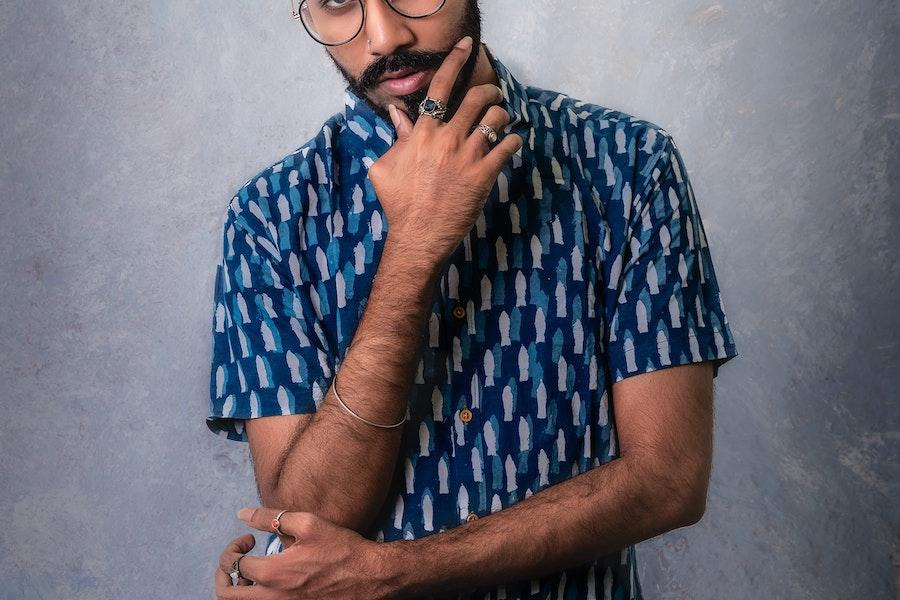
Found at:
[588, 264]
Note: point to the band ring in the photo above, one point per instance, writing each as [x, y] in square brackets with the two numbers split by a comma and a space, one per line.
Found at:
[236, 570]
[276, 523]
[432, 107]
[488, 132]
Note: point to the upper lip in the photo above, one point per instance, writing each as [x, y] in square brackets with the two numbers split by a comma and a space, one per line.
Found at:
[395, 74]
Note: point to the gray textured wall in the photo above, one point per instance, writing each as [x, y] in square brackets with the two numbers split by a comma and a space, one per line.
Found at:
[127, 125]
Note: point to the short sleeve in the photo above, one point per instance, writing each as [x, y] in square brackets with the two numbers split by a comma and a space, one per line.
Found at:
[663, 304]
[270, 354]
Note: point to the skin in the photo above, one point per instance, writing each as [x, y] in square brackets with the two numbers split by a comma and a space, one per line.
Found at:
[389, 41]
[658, 484]
[331, 471]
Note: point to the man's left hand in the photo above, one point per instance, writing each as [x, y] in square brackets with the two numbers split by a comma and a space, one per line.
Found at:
[324, 560]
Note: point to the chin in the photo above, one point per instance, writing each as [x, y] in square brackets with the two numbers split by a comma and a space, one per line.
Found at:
[411, 102]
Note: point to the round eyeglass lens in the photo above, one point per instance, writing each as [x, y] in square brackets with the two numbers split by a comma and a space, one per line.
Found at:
[416, 8]
[332, 21]
[335, 22]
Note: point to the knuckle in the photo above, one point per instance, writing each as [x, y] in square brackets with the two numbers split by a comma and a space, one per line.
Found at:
[480, 95]
[305, 521]
[376, 174]
[488, 92]
[497, 114]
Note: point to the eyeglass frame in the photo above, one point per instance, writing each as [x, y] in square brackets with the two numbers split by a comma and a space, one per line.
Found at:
[295, 14]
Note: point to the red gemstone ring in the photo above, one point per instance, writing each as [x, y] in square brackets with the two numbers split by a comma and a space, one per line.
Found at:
[276, 523]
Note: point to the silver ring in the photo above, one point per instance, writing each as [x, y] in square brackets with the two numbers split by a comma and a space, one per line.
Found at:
[276, 523]
[236, 570]
[432, 107]
[488, 132]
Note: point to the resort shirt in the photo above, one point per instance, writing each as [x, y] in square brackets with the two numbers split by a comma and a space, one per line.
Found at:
[588, 264]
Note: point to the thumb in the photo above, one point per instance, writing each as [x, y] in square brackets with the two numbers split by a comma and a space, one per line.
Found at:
[402, 123]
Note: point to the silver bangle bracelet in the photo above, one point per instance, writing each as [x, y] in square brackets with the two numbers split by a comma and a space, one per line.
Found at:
[347, 408]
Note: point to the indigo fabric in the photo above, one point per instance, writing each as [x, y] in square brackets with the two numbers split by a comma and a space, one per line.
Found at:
[588, 264]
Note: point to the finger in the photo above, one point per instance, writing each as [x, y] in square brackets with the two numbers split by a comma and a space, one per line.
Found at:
[445, 77]
[402, 123]
[496, 118]
[262, 569]
[261, 518]
[237, 547]
[222, 579]
[502, 152]
[473, 106]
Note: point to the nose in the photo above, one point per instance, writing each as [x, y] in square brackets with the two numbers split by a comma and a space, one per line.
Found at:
[385, 28]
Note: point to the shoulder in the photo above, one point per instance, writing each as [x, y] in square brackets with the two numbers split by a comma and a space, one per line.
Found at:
[600, 131]
[285, 188]
[623, 154]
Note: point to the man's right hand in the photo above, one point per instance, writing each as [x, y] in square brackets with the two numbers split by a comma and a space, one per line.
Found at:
[433, 182]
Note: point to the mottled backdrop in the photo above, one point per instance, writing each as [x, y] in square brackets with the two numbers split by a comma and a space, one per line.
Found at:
[126, 126]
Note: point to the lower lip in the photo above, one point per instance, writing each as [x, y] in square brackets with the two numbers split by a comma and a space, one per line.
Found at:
[404, 85]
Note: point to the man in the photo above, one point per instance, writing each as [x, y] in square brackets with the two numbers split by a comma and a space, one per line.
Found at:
[535, 325]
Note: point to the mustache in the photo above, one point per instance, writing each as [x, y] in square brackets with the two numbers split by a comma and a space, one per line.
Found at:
[419, 60]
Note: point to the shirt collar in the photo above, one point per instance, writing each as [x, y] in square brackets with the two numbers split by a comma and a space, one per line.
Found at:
[515, 96]
[515, 101]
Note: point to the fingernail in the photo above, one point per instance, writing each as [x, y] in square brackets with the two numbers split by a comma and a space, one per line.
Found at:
[393, 112]
[465, 43]
[245, 513]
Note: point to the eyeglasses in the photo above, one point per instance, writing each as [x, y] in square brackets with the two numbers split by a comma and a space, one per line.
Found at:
[336, 22]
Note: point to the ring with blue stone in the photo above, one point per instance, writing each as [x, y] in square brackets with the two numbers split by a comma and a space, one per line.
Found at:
[432, 107]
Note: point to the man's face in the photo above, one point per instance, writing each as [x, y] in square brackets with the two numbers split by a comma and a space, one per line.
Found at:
[398, 42]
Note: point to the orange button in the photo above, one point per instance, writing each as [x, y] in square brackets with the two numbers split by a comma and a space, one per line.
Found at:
[459, 312]
[471, 516]
[466, 415]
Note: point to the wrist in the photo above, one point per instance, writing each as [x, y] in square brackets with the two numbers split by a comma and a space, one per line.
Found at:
[401, 253]
[394, 569]
[405, 265]
[413, 569]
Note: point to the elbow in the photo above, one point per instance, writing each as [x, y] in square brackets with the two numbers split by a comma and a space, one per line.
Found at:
[688, 501]
[691, 511]
[676, 493]
[667, 496]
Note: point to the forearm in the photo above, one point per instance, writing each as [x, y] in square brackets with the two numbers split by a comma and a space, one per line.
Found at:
[565, 525]
[340, 467]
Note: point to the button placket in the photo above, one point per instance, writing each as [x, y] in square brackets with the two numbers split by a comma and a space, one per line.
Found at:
[473, 426]
[460, 310]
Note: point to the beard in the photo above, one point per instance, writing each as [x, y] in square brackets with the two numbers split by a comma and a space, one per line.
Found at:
[470, 24]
